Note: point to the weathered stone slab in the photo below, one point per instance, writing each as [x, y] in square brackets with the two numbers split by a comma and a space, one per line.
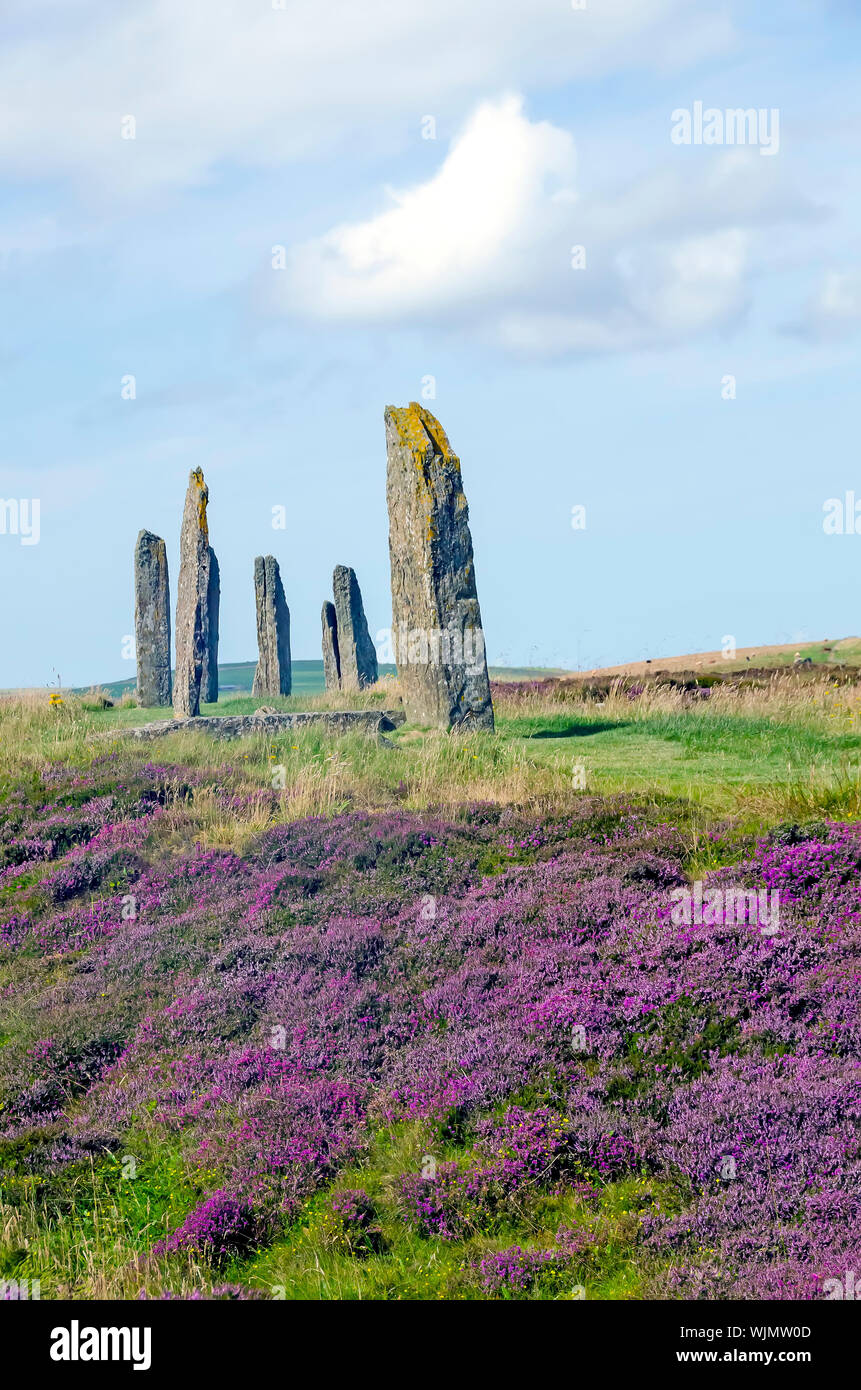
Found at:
[357, 655]
[274, 674]
[209, 680]
[437, 635]
[152, 621]
[192, 608]
[331, 654]
[239, 725]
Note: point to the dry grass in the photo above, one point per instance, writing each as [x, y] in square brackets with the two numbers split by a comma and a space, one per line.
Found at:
[782, 747]
[784, 697]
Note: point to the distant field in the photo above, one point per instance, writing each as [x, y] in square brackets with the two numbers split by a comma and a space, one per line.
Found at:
[237, 677]
[844, 650]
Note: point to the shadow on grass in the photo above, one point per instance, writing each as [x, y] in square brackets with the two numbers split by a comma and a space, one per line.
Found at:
[580, 730]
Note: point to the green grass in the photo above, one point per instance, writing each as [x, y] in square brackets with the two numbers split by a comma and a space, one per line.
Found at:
[237, 677]
[715, 756]
[130, 716]
[783, 750]
[311, 1262]
[83, 1231]
[88, 1231]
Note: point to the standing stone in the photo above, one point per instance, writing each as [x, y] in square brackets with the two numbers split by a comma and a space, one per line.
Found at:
[331, 656]
[192, 607]
[436, 620]
[356, 652]
[273, 675]
[152, 621]
[209, 683]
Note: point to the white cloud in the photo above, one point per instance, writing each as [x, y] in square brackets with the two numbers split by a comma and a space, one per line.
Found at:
[485, 244]
[212, 82]
[468, 232]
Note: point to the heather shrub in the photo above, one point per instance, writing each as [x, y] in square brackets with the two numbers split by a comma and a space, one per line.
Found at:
[355, 1222]
[89, 872]
[516, 1157]
[512, 982]
[514, 1272]
[221, 1228]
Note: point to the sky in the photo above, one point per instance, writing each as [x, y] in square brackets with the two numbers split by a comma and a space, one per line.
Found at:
[233, 231]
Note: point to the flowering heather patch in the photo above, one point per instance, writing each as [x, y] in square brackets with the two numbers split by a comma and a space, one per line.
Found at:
[515, 1270]
[220, 1227]
[515, 984]
[87, 871]
[516, 1156]
[354, 1207]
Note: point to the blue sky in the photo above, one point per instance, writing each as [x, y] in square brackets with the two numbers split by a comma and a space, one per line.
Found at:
[405, 258]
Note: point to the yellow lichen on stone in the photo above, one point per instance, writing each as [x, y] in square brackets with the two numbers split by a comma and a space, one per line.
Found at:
[203, 497]
[437, 434]
[408, 423]
[415, 426]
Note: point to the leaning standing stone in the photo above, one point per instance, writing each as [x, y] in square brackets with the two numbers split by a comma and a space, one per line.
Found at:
[192, 608]
[209, 683]
[436, 620]
[357, 655]
[331, 657]
[152, 621]
[273, 675]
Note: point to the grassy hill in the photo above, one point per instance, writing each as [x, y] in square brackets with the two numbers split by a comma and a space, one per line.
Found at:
[845, 651]
[413, 1020]
[237, 677]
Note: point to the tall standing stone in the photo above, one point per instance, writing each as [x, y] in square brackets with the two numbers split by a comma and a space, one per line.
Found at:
[152, 621]
[273, 675]
[192, 607]
[209, 682]
[436, 620]
[331, 655]
[357, 655]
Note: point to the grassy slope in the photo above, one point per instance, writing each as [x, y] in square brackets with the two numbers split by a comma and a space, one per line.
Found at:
[761, 755]
[237, 677]
[784, 750]
[847, 650]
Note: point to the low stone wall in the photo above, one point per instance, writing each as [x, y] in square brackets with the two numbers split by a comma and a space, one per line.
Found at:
[239, 725]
